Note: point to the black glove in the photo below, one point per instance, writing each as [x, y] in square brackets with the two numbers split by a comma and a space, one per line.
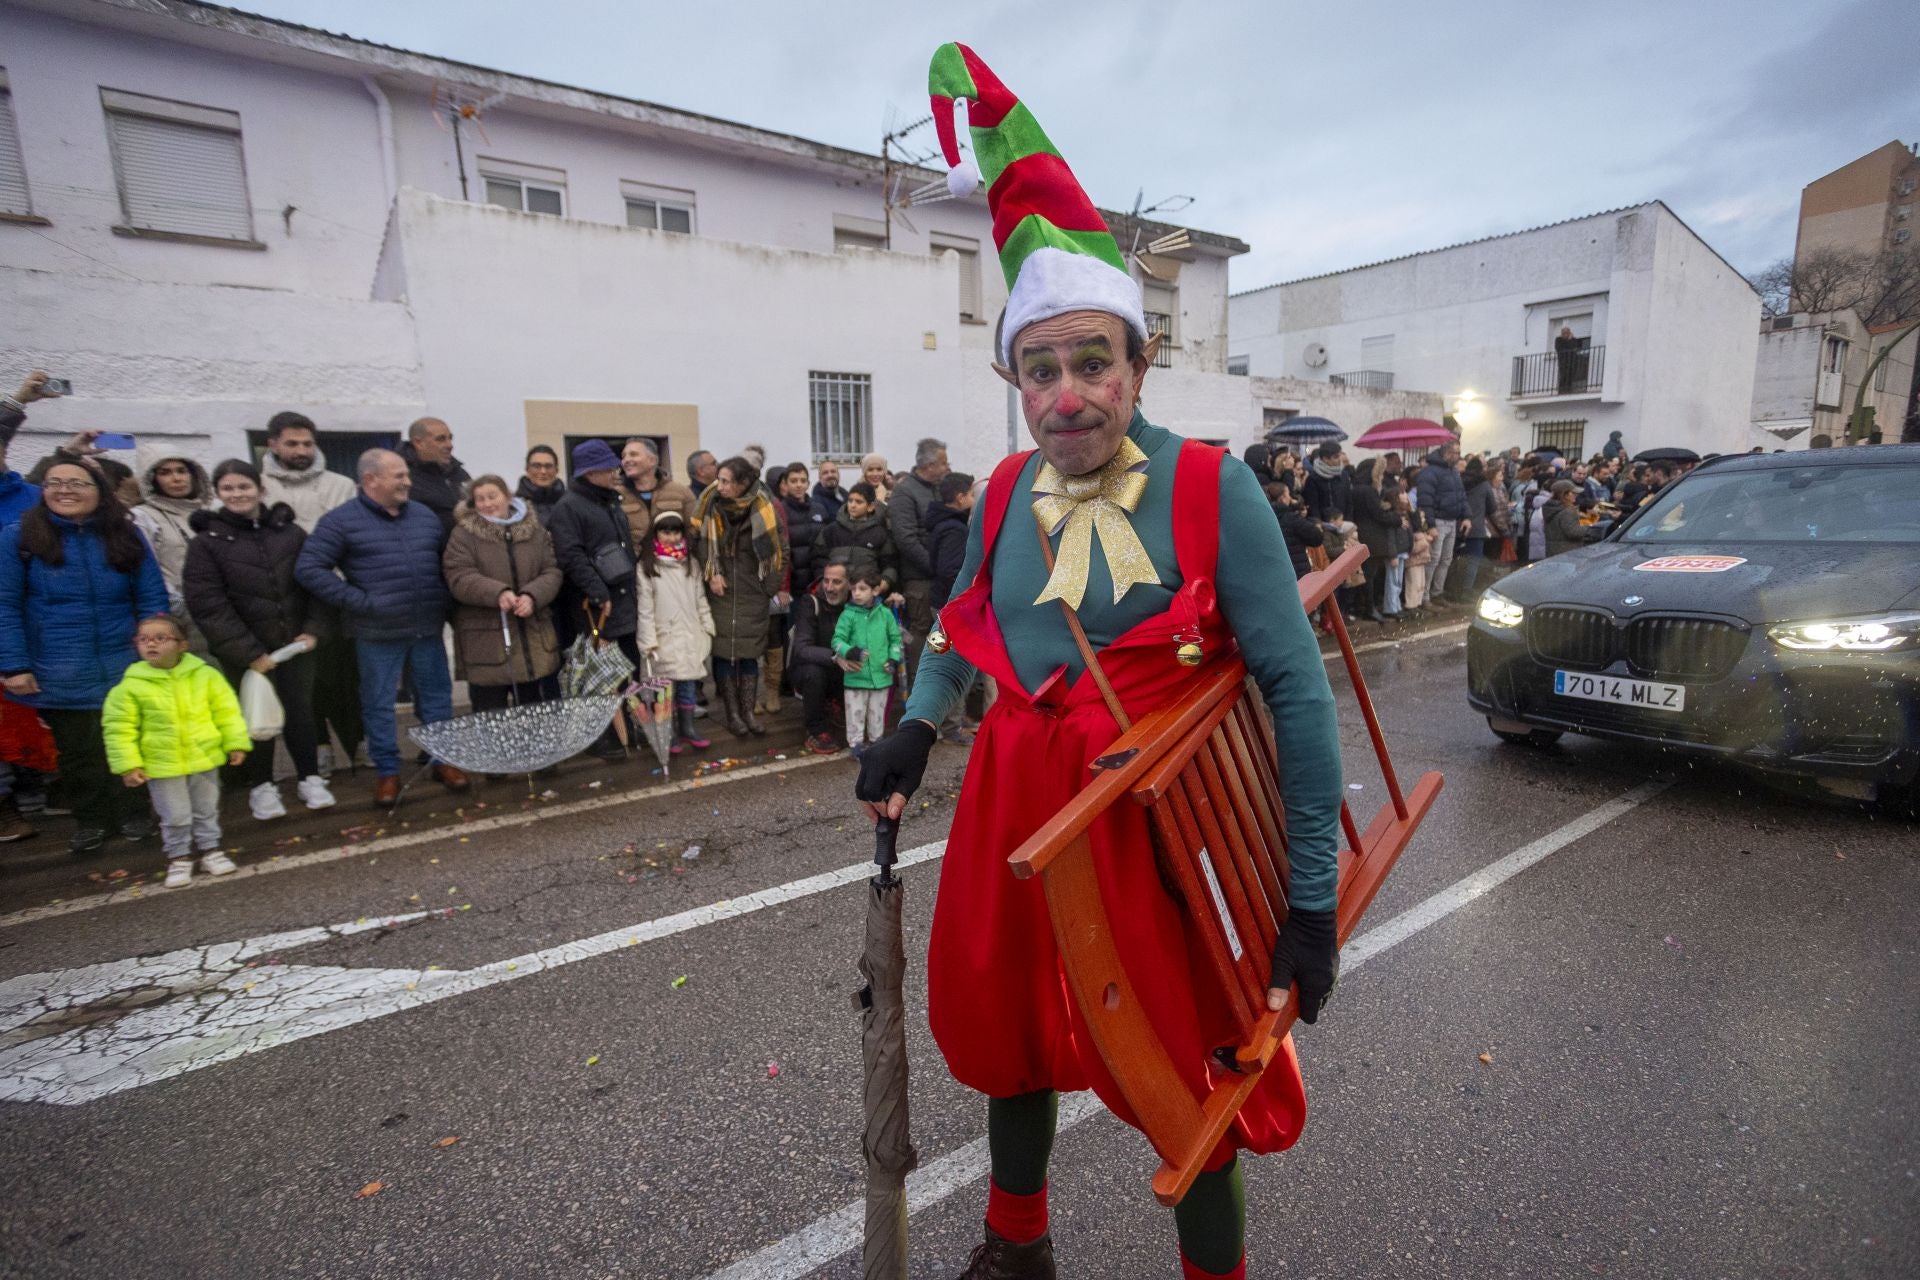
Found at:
[895, 765]
[1307, 952]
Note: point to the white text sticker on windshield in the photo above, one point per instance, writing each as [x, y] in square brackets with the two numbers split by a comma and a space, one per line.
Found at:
[1220, 904]
[1689, 564]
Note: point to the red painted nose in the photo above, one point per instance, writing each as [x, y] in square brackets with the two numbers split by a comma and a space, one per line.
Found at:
[1068, 404]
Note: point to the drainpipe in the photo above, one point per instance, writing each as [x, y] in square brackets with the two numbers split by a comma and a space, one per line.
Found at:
[383, 112]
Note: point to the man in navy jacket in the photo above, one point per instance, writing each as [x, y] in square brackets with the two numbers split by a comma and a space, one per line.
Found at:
[1443, 499]
[390, 587]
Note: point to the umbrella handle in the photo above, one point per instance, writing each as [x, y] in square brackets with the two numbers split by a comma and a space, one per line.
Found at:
[886, 836]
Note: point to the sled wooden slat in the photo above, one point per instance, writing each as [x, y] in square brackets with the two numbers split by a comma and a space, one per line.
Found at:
[1205, 770]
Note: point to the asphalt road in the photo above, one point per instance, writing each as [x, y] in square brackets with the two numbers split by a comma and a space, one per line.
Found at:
[1678, 1044]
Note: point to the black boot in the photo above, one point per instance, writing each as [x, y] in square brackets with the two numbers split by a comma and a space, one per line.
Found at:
[685, 730]
[730, 707]
[1000, 1259]
[746, 693]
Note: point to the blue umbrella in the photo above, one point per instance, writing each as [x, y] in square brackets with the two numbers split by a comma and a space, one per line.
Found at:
[1305, 431]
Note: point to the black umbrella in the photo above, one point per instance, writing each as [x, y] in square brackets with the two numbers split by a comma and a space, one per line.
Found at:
[1305, 431]
[886, 1143]
[1670, 454]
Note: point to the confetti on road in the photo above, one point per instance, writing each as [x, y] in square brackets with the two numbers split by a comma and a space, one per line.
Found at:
[1487, 1058]
[679, 982]
[593, 1060]
[773, 1071]
[371, 1189]
[446, 1142]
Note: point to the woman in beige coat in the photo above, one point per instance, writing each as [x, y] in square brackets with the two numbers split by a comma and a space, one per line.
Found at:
[500, 568]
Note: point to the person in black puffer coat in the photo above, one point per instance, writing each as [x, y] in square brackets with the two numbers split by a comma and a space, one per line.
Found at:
[241, 592]
[541, 487]
[858, 538]
[588, 525]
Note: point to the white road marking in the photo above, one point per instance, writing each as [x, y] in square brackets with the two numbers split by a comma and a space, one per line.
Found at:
[836, 1233]
[215, 1009]
[411, 838]
[367, 848]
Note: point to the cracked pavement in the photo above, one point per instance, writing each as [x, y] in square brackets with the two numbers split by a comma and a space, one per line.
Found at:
[1700, 1021]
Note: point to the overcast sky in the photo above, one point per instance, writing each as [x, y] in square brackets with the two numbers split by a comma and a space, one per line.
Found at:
[1324, 135]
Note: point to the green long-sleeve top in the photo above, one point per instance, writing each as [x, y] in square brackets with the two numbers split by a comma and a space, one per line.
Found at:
[1255, 584]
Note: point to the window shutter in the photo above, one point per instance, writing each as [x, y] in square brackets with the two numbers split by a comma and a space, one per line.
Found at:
[13, 171]
[969, 283]
[181, 177]
[1377, 354]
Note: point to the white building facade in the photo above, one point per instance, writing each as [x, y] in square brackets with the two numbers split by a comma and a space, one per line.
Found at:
[1810, 371]
[1662, 328]
[207, 217]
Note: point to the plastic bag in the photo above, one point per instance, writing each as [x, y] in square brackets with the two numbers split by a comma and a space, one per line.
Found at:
[260, 707]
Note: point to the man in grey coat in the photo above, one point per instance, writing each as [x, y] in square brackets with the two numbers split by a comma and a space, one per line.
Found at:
[907, 510]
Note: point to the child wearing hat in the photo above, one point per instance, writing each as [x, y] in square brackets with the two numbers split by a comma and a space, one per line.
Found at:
[676, 623]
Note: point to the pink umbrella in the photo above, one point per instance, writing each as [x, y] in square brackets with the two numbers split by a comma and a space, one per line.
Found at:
[1405, 433]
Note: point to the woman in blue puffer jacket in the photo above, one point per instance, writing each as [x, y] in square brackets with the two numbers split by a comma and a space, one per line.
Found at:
[75, 579]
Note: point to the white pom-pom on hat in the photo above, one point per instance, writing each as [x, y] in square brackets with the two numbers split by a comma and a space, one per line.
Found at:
[963, 180]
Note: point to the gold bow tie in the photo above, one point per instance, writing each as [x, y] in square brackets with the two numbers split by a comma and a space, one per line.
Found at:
[1099, 501]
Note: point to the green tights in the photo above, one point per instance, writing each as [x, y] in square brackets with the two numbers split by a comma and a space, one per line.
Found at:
[1211, 1221]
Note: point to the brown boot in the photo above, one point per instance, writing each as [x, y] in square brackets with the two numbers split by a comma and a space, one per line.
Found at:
[770, 668]
[746, 695]
[12, 825]
[998, 1258]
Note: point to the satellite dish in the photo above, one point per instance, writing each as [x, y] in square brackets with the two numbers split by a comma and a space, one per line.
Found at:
[1315, 355]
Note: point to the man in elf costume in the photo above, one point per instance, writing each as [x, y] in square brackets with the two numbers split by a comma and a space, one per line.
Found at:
[1154, 542]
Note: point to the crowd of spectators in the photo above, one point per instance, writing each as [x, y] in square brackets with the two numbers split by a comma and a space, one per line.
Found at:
[136, 602]
[1439, 527]
[356, 595]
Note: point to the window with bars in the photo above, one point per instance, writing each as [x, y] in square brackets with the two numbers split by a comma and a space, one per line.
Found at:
[179, 167]
[14, 196]
[840, 406]
[1568, 435]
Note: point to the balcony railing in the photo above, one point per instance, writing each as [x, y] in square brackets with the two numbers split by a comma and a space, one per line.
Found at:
[1554, 373]
[1370, 379]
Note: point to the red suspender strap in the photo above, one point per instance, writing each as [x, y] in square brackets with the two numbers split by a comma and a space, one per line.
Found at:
[1000, 487]
[1196, 509]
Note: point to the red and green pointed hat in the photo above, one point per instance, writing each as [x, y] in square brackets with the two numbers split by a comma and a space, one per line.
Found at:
[1055, 248]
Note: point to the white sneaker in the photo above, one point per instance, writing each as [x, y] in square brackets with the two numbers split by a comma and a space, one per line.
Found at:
[314, 794]
[264, 800]
[214, 864]
[179, 872]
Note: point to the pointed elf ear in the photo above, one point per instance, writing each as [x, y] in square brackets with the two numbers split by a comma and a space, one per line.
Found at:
[1151, 348]
[1007, 375]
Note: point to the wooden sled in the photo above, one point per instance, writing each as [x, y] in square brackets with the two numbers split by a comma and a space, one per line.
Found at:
[1205, 769]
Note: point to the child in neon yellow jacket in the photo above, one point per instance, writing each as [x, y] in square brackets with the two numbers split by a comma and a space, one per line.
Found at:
[169, 725]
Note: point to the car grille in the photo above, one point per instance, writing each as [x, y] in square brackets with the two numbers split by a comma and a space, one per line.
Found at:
[1571, 637]
[1679, 648]
[1697, 648]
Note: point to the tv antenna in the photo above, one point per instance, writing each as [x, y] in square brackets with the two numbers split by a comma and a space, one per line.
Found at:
[454, 105]
[1173, 242]
[897, 155]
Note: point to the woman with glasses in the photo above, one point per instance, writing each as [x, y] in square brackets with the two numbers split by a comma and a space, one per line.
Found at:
[76, 578]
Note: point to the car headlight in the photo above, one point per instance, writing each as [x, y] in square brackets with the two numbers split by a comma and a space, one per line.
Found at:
[1850, 635]
[1498, 611]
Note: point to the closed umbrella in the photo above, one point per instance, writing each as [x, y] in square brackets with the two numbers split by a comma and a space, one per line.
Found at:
[1404, 433]
[886, 1142]
[1305, 431]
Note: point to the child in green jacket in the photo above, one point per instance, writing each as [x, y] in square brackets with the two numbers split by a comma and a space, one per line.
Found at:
[169, 725]
[867, 635]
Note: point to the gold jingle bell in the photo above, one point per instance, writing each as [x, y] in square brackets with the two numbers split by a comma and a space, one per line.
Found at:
[937, 640]
[1190, 653]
